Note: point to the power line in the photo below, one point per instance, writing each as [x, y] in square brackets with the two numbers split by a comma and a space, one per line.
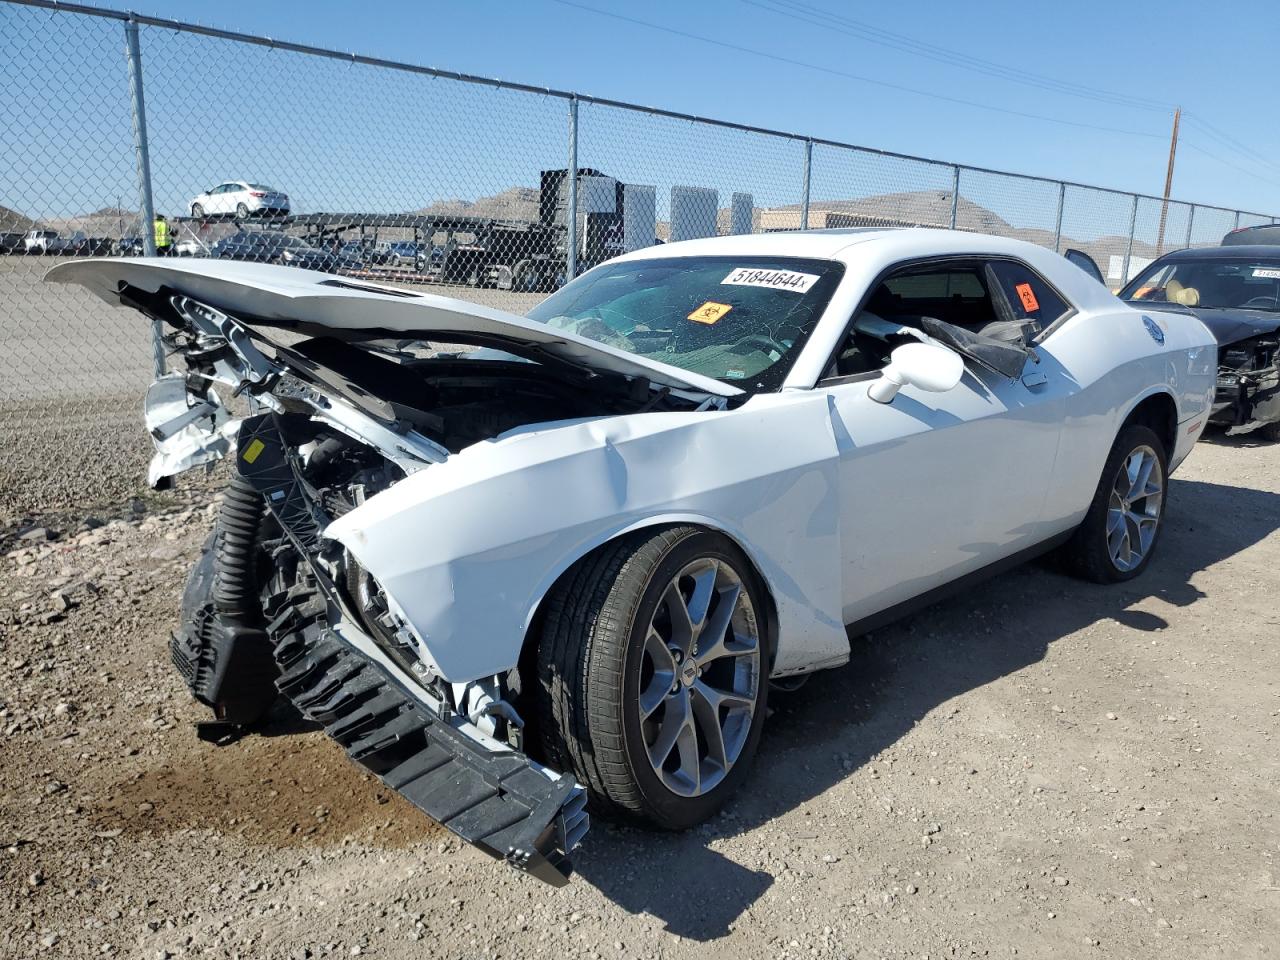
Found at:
[1231, 143]
[831, 71]
[827, 20]
[1213, 156]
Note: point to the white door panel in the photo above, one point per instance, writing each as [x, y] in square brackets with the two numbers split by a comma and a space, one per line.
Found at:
[935, 485]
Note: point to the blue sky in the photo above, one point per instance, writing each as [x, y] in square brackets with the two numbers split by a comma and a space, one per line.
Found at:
[1217, 67]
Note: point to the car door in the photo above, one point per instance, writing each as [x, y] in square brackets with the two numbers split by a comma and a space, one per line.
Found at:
[937, 485]
[1086, 263]
[219, 199]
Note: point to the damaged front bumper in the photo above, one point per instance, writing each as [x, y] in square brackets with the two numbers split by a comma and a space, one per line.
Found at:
[487, 793]
[1245, 397]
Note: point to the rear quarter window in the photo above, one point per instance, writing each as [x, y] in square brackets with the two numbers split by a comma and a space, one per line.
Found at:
[1028, 293]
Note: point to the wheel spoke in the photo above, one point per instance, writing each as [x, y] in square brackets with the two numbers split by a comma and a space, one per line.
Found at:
[707, 718]
[717, 698]
[664, 674]
[1115, 519]
[714, 640]
[678, 614]
[704, 588]
[690, 769]
[1139, 482]
[1144, 530]
[1116, 538]
[675, 720]
[1132, 467]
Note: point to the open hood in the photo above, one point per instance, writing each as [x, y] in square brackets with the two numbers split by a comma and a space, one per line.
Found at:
[270, 295]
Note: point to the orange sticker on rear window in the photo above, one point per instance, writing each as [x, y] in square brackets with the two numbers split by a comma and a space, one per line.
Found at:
[1028, 297]
[710, 312]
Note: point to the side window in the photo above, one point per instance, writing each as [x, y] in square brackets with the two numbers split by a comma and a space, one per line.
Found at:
[954, 291]
[937, 285]
[1028, 294]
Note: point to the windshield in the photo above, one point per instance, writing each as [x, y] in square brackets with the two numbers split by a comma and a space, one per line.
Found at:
[742, 320]
[1246, 283]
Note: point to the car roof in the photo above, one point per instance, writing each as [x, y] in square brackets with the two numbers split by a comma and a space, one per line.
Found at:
[840, 244]
[1230, 252]
[867, 250]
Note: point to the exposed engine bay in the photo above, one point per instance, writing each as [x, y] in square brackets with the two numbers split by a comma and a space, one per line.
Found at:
[1249, 383]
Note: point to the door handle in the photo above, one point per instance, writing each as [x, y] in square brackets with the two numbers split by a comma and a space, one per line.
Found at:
[1036, 378]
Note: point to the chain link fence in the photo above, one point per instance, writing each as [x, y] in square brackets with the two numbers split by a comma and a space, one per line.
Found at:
[402, 174]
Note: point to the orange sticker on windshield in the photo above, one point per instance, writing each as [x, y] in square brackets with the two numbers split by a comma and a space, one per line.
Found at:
[710, 312]
[1028, 297]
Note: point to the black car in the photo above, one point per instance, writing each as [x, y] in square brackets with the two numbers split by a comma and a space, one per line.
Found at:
[1235, 291]
[1267, 233]
[271, 247]
[11, 242]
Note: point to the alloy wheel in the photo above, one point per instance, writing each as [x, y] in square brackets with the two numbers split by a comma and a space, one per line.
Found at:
[699, 677]
[1133, 512]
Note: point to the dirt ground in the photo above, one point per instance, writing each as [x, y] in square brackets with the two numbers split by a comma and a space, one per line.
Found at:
[1041, 768]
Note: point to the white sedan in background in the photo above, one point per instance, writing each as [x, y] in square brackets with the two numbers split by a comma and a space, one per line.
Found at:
[240, 199]
[574, 561]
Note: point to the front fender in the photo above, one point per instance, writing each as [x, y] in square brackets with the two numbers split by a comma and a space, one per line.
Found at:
[468, 548]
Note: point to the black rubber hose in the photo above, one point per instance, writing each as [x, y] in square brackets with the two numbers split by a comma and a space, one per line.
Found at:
[235, 586]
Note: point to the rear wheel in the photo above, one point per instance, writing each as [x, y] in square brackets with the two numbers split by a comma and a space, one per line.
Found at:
[1118, 536]
[242, 211]
[652, 664]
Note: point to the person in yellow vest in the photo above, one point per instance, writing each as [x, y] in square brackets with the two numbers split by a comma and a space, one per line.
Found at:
[164, 242]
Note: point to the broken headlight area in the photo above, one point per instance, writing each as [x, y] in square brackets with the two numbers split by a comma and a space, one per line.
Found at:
[1248, 383]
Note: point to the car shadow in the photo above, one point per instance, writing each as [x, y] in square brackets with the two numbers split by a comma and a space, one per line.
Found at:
[819, 735]
[1245, 438]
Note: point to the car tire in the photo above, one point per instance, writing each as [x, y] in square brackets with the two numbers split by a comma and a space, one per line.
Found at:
[197, 211]
[242, 211]
[660, 738]
[1119, 534]
[1270, 431]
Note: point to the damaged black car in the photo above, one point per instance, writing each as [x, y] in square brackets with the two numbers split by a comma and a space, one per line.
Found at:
[1235, 291]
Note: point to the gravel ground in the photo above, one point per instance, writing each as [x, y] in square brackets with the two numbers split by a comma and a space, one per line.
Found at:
[1043, 768]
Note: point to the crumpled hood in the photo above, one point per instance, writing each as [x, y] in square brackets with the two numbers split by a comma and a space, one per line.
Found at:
[1230, 325]
[269, 295]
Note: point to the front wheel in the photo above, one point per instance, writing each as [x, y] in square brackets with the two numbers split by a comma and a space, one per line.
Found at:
[1118, 535]
[652, 674]
[197, 211]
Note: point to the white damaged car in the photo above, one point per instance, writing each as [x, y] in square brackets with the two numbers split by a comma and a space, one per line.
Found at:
[513, 564]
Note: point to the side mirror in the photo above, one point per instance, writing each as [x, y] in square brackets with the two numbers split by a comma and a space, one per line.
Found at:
[927, 366]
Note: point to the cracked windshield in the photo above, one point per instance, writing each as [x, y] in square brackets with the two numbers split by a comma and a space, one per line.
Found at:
[738, 319]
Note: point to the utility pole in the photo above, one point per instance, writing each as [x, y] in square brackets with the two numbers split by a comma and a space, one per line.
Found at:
[1168, 181]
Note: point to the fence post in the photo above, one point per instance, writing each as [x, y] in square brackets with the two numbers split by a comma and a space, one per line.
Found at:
[955, 195]
[1128, 251]
[142, 153]
[804, 186]
[1057, 226]
[571, 214]
[1191, 218]
[1237, 226]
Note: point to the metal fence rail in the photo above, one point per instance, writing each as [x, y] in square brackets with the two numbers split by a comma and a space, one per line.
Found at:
[413, 175]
